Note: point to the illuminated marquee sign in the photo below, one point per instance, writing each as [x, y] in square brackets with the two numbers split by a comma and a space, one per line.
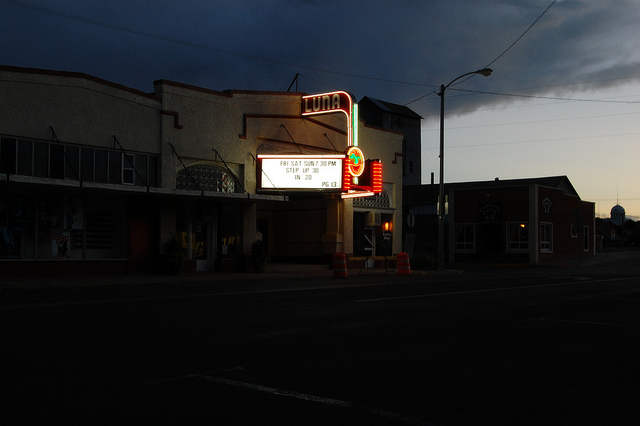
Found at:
[369, 183]
[326, 103]
[301, 172]
[356, 161]
[326, 173]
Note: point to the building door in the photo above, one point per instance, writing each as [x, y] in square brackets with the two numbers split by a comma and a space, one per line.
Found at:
[490, 242]
[200, 247]
[370, 245]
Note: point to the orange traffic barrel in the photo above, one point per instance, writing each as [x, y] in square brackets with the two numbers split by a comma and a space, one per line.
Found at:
[403, 264]
[340, 266]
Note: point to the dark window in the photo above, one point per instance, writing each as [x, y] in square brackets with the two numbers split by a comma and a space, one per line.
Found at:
[465, 237]
[25, 158]
[115, 167]
[152, 176]
[8, 156]
[56, 162]
[586, 238]
[86, 164]
[153, 171]
[518, 236]
[41, 159]
[102, 165]
[546, 237]
[72, 162]
[141, 167]
[128, 169]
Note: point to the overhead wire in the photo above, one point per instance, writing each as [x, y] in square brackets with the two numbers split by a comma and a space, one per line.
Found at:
[556, 98]
[535, 121]
[498, 57]
[275, 61]
[197, 45]
[537, 141]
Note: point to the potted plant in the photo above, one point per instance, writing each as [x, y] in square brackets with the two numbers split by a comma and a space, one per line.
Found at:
[259, 256]
[175, 256]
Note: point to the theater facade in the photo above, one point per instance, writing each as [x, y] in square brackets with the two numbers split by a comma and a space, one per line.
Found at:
[97, 178]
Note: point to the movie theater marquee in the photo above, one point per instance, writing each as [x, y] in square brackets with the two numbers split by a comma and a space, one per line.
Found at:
[330, 173]
[302, 172]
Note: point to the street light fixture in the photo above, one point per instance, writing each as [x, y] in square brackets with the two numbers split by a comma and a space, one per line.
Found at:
[484, 72]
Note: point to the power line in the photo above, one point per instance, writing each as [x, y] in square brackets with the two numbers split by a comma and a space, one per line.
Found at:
[498, 57]
[556, 98]
[198, 45]
[534, 121]
[522, 35]
[512, 44]
[537, 141]
[258, 58]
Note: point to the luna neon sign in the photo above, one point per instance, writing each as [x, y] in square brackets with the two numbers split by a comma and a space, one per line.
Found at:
[331, 102]
[325, 103]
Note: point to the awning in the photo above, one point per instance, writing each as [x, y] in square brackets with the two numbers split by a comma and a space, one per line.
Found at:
[81, 187]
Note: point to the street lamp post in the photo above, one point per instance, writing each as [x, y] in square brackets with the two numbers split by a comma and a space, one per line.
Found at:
[484, 72]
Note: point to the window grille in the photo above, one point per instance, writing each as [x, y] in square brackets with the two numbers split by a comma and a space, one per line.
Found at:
[380, 201]
[207, 177]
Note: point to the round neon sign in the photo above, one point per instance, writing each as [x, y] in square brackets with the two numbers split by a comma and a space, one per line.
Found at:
[356, 161]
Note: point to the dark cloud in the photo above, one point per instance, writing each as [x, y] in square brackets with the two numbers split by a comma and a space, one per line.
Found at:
[404, 48]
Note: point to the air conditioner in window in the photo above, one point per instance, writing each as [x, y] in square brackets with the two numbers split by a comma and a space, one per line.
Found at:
[373, 219]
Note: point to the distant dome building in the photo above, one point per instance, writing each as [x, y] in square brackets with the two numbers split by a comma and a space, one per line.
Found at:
[612, 229]
[618, 215]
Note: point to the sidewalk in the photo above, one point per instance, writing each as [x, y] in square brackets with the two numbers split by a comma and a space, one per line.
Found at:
[275, 273]
[292, 273]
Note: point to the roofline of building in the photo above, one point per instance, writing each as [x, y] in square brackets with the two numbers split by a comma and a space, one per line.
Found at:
[78, 75]
[503, 183]
[401, 108]
[226, 93]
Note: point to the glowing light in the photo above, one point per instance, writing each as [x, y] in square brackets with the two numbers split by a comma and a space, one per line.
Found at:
[325, 103]
[376, 176]
[340, 101]
[301, 172]
[346, 176]
[356, 161]
[357, 194]
[354, 132]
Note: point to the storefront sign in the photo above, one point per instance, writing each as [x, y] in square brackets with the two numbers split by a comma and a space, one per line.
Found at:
[356, 161]
[301, 172]
[326, 103]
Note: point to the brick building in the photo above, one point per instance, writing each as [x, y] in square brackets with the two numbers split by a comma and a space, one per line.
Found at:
[537, 220]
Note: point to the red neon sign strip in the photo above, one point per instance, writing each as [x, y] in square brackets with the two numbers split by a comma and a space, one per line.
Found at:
[346, 175]
[376, 176]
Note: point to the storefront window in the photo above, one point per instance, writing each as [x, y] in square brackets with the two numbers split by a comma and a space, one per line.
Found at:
[60, 228]
[230, 234]
[17, 228]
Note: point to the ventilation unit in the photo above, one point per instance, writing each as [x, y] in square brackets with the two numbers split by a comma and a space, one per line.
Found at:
[373, 219]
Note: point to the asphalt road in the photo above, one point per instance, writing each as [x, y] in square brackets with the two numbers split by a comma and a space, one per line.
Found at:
[534, 346]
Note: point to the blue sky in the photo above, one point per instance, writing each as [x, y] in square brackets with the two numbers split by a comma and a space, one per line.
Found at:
[564, 98]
